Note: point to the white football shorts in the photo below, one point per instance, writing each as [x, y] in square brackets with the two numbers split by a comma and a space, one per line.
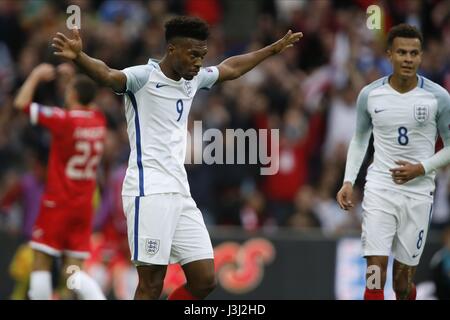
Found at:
[166, 228]
[394, 222]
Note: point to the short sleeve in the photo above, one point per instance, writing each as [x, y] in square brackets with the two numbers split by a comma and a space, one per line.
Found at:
[207, 77]
[53, 118]
[137, 77]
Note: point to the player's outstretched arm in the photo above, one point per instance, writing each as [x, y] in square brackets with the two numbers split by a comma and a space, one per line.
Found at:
[236, 66]
[72, 49]
[43, 72]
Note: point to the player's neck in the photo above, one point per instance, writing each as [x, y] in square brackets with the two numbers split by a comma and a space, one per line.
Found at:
[168, 70]
[401, 84]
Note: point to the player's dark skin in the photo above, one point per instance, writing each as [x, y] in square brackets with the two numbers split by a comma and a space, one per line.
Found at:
[405, 55]
[183, 59]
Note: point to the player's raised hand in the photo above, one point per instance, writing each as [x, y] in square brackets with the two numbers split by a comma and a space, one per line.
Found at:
[287, 41]
[344, 196]
[44, 72]
[68, 48]
[406, 171]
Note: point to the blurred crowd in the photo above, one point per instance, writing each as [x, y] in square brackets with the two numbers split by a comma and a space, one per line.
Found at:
[308, 93]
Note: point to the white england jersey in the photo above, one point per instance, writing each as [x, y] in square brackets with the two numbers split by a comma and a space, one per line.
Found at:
[405, 127]
[157, 110]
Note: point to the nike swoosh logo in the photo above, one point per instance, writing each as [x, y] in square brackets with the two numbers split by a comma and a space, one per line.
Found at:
[160, 85]
[379, 110]
[415, 255]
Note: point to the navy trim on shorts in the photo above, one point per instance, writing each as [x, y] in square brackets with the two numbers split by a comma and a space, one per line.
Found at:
[136, 228]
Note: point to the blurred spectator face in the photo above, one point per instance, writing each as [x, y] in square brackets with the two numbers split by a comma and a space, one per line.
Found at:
[28, 59]
[256, 201]
[413, 7]
[305, 198]
[157, 8]
[349, 95]
[294, 125]
[406, 56]
[187, 55]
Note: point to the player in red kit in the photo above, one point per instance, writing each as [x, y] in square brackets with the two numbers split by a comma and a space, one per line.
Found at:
[64, 224]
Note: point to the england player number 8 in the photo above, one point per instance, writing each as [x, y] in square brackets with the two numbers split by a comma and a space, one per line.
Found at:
[402, 136]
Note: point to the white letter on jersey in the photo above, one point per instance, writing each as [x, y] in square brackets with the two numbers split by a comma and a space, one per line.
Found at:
[374, 19]
[374, 280]
[74, 20]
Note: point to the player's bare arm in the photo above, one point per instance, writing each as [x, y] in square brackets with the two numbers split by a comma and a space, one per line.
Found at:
[406, 171]
[236, 66]
[72, 49]
[43, 72]
[344, 196]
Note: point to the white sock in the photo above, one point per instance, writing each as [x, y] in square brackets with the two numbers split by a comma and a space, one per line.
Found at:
[85, 287]
[99, 273]
[40, 285]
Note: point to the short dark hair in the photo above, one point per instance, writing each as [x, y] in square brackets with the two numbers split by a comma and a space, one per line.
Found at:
[85, 88]
[404, 31]
[187, 27]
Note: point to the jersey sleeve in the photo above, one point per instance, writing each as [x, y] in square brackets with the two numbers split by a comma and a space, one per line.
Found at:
[53, 118]
[207, 77]
[137, 77]
[443, 122]
[441, 158]
[360, 141]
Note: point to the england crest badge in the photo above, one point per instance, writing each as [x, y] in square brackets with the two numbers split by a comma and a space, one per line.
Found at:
[151, 246]
[421, 113]
[188, 87]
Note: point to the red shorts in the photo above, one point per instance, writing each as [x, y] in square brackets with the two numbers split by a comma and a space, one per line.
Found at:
[63, 230]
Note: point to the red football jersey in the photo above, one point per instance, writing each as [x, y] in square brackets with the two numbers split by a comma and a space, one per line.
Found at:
[75, 151]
